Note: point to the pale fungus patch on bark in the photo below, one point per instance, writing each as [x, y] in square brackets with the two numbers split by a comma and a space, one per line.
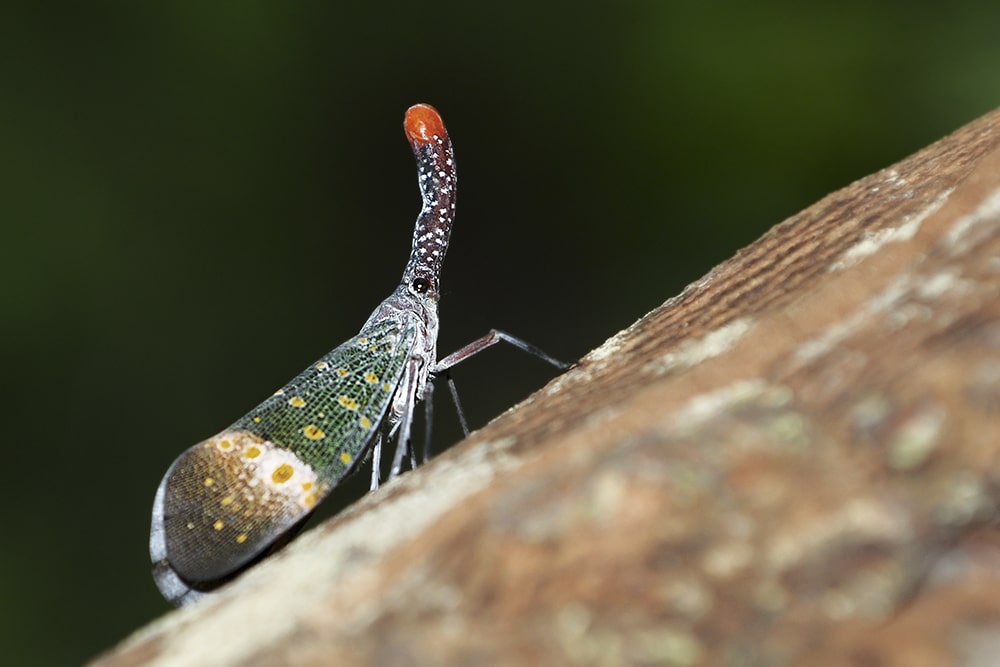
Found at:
[915, 439]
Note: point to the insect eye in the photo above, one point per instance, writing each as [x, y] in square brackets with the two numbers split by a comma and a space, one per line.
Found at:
[420, 285]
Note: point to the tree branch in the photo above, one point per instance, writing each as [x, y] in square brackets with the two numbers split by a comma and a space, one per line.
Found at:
[794, 460]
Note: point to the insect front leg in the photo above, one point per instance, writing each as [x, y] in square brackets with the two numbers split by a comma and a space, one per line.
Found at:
[403, 406]
[442, 367]
[376, 461]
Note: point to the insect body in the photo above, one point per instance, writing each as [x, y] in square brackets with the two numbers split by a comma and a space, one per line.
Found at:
[227, 501]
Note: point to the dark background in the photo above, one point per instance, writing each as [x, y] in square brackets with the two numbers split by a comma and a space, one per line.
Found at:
[200, 199]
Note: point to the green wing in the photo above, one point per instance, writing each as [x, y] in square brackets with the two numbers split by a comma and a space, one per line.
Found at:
[228, 498]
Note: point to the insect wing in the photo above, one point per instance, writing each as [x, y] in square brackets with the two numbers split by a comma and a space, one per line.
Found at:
[228, 498]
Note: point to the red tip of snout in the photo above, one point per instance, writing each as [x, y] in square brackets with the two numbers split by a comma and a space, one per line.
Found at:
[423, 123]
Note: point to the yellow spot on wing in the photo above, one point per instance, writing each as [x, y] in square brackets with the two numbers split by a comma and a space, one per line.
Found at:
[296, 402]
[386, 386]
[371, 378]
[218, 525]
[228, 500]
[256, 420]
[313, 432]
[345, 458]
[225, 445]
[309, 500]
[365, 422]
[209, 481]
[307, 485]
[241, 538]
[348, 402]
[322, 365]
[343, 372]
[252, 452]
[279, 392]
[282, 473]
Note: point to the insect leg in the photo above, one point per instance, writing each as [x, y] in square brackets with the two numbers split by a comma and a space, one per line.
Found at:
[490, 339]
[458, 410]
[376, 461]
[428, 424]
[458, 404]
[475, 347]
[429, 417]
[407, 395]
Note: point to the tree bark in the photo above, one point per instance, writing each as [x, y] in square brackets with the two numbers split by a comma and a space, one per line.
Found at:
[795, 461]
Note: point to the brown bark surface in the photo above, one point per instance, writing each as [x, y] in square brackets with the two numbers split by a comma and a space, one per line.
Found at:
[793, 462]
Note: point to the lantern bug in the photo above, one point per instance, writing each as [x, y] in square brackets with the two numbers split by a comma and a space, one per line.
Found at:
[231, 499]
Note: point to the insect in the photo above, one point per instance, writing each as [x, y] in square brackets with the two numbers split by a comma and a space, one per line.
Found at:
[231, 499]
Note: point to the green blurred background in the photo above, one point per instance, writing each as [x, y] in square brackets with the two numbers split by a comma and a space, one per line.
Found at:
[199, 199]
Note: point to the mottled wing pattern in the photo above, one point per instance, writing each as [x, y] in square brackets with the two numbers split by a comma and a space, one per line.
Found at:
[228, 498]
